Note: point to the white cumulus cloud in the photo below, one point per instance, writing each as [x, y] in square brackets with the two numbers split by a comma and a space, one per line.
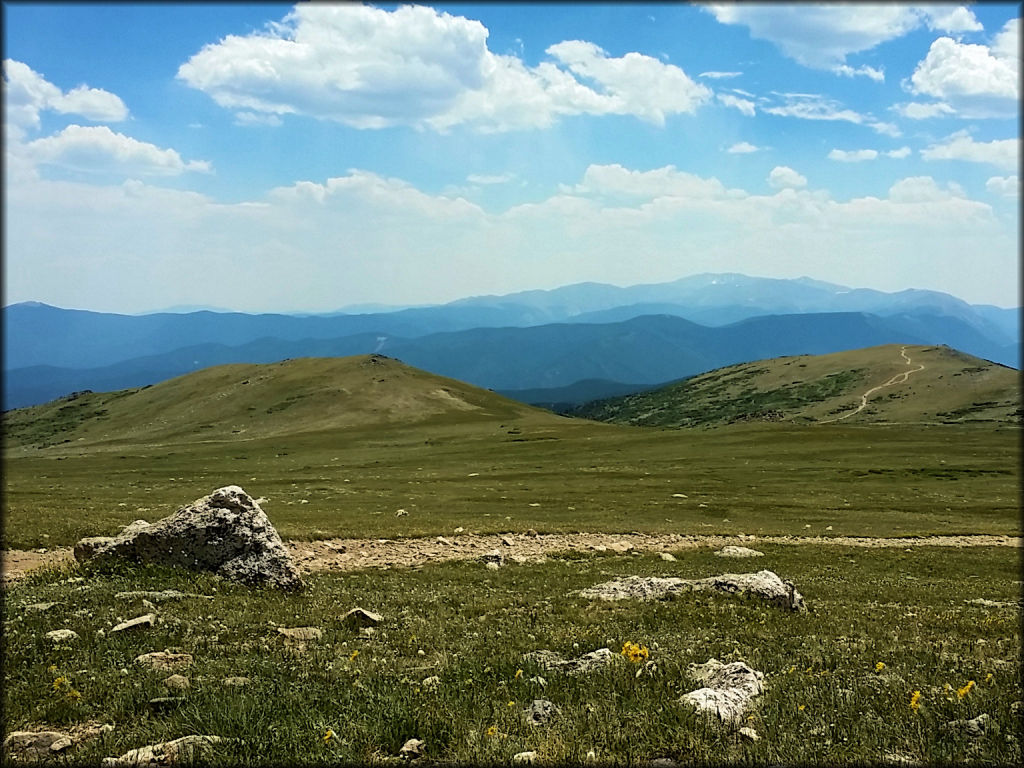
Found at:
[370, 68]
[823, 35]
[742, 148]
[915, 110]
[27, 93]
[745, 106]
[1006, 186]
[99, 149]
[784, 177]
[975, 80]
[922, 189]
[852, 156]
[1002, 153]
[898, 154]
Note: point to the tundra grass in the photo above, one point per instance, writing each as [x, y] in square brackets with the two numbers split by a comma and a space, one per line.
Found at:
[890, 650]
[775, 479]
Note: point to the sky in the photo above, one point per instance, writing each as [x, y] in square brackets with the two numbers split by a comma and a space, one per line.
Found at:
[271, 157]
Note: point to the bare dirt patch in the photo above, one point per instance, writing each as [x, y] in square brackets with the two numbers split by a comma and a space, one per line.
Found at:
[357, 554]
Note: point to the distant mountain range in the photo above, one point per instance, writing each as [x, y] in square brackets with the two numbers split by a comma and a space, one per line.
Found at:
[535, 340]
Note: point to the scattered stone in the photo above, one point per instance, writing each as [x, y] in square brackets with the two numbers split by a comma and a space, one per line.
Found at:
[401, 513]
[359, 617]
[972, 729]
[431, 682]
[90, 545]
[412, 749]
[728, 688]
[460, 529]
[532, 532]
[226, 532]
[1017, 708]
[539, 712]
[177, 682]
[733, 551]
[161, 660]
[494, 556]
[165, 703]
[60, 635]
[992, 603]
[237, 682]
[538, 680]
[443, 540]
[40, 607]
[492, 566]
[661, 762]
[185, 749]
[506, 541]
[148, 620]
[588, 662]
[524, 758]
[621, 547]
[300, 634]
[35, 745]
[157, 597]
[668, 557]
[599, 547]
[749, 734]
[764, 584]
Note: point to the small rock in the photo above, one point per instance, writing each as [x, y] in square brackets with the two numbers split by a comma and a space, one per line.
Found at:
[749, 734]
[237, 682]
[401, 513]
[140, 622]
[972, 729]
[157, 597]
[532, 532]
[668, 557]
[300, 634]
[539, 712]
[185, 749]
[360, 617]
[35, 745]
[492, 566]
[165, 703]
[160, 660]
[443, 540]
[661, 762]
[494, 556]
[460, 529]
[599, 548]
[524, 758]
[60, 635]
[431, 682]
[412, 749]
[177, 682]
[38, 607]
[1017, 708]
[591, 756]
[620, 546]
[538, 680]
[506, 541]
[588, 662]
[732, 551]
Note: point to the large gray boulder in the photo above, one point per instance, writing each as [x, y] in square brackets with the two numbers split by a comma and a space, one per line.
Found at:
[226, 533]
[764, 584]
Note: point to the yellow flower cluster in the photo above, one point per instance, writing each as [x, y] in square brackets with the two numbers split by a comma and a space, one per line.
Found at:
[961, 692]
[634, 652]
[879, 666]
[492, 731]
[915, 700]
[329, 735]
[63, 685]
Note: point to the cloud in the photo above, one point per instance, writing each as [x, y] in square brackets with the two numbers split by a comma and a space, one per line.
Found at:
[99, 149]
[822, 36]
[742, 148]
[27, 93]
[846, 70]
[784, 177]
[743, 105]
[370, 68]
[922, 189]
[811, 106]
[1003, 153]
[713, 75]
[898, 154]
[918, 111]
[852, 156]
[617, 181]
[975, 80]
[1006, 186]
[252, 118]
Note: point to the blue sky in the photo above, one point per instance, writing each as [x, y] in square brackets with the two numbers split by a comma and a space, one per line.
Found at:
[278, 157]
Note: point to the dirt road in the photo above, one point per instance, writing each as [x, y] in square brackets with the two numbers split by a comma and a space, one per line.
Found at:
[355, 554]
[899, 378]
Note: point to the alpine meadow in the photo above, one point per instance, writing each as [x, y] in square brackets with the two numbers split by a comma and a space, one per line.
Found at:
[511, 384]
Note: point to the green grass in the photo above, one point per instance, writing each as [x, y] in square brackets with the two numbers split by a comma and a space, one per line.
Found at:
[761, 479]
[824, 702]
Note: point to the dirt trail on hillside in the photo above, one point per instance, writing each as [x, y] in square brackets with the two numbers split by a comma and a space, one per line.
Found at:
[356, 554]
[899, 378]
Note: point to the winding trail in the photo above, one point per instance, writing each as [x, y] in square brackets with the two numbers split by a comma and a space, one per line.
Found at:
[358, 554]
[899, 378]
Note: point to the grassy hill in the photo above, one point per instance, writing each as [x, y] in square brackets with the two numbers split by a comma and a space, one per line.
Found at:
[248, 401]
[937, 385]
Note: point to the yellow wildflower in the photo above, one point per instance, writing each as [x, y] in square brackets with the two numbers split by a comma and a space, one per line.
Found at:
[802, 707]
[791, 670]
[493, 730]
[915, 700]
[519, 673]
[60, 682]
[328, 735]
[879, 666]
[353, 655]
[635, 652]
[961, 692]
[511, 703]
[988, 677]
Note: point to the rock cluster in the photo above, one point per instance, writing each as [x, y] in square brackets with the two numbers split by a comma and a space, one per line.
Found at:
[727, 691]
[226, 533]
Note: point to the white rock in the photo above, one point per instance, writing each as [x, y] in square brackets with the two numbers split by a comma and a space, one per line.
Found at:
[668, 557]
[524, 758]
[412, 749]
[733, 551]
[185, 749]
[140, 622]
[728, 688]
